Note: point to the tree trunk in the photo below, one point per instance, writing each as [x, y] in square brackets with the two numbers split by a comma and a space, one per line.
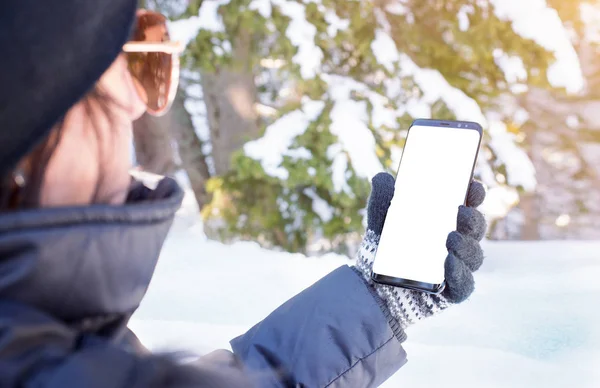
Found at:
[529, 201]
[153, 145]
[530, 228]
[190, 148]
[156, 139]
[230, 96]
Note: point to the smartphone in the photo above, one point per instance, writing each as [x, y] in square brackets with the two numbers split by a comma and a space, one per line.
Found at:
[432, 181]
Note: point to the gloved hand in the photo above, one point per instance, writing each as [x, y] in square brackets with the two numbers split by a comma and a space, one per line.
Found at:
[464, 255]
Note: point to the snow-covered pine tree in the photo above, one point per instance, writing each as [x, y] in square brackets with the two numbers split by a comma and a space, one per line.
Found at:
[338, 83]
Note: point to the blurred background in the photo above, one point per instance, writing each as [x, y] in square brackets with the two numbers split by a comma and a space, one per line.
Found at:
[287, 108]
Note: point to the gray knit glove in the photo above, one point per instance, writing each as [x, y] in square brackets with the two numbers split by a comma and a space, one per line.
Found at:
[464, 255]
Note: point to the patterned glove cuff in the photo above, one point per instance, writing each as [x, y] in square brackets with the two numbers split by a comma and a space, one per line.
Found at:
[406, 306]
[366, 254]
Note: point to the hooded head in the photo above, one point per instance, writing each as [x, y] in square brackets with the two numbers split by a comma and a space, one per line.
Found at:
[68, 102]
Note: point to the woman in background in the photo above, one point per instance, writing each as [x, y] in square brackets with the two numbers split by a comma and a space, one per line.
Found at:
[79, 239]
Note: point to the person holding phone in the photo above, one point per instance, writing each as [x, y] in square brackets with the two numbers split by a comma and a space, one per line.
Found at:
[79, 238]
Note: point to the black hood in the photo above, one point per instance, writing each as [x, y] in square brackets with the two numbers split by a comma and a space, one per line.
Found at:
[81, 262]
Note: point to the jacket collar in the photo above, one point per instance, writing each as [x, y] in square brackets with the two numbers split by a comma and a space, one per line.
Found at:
[90, 261]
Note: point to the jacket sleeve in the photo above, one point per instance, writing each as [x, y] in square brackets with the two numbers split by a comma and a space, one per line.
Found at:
[336, 333]
[38, 351]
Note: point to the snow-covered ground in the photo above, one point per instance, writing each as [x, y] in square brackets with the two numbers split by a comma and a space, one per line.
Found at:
[534, 320]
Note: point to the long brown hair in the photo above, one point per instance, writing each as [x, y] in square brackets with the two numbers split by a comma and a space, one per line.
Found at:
[21, 189]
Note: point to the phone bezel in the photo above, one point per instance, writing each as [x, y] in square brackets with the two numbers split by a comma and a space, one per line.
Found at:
[413, 284]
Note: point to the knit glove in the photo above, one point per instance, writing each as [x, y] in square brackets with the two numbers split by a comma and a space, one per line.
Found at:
[464, 255]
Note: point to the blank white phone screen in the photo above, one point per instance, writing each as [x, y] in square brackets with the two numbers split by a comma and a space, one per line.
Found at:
[432, 182]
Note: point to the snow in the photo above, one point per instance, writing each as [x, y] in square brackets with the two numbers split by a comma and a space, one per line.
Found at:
[512, 66]
[533, 19]
[335, 23]
[384, 49]
[435, 86]
[431, 82]
[520, 117]
[572, 121]
[265, 110]
[463, 17]
[184, 30]
[395, 156]
[483, 170]
[396, 8]
[278, 137]
[319, 205]
[532, 322]
[302, 35]
[298, 153]
[208, 16]
[499, 201]
[563, 220]
[349, 119]
[519, 168]
[262, 6]
[300, 32]
[270, 63]
[339, 166]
